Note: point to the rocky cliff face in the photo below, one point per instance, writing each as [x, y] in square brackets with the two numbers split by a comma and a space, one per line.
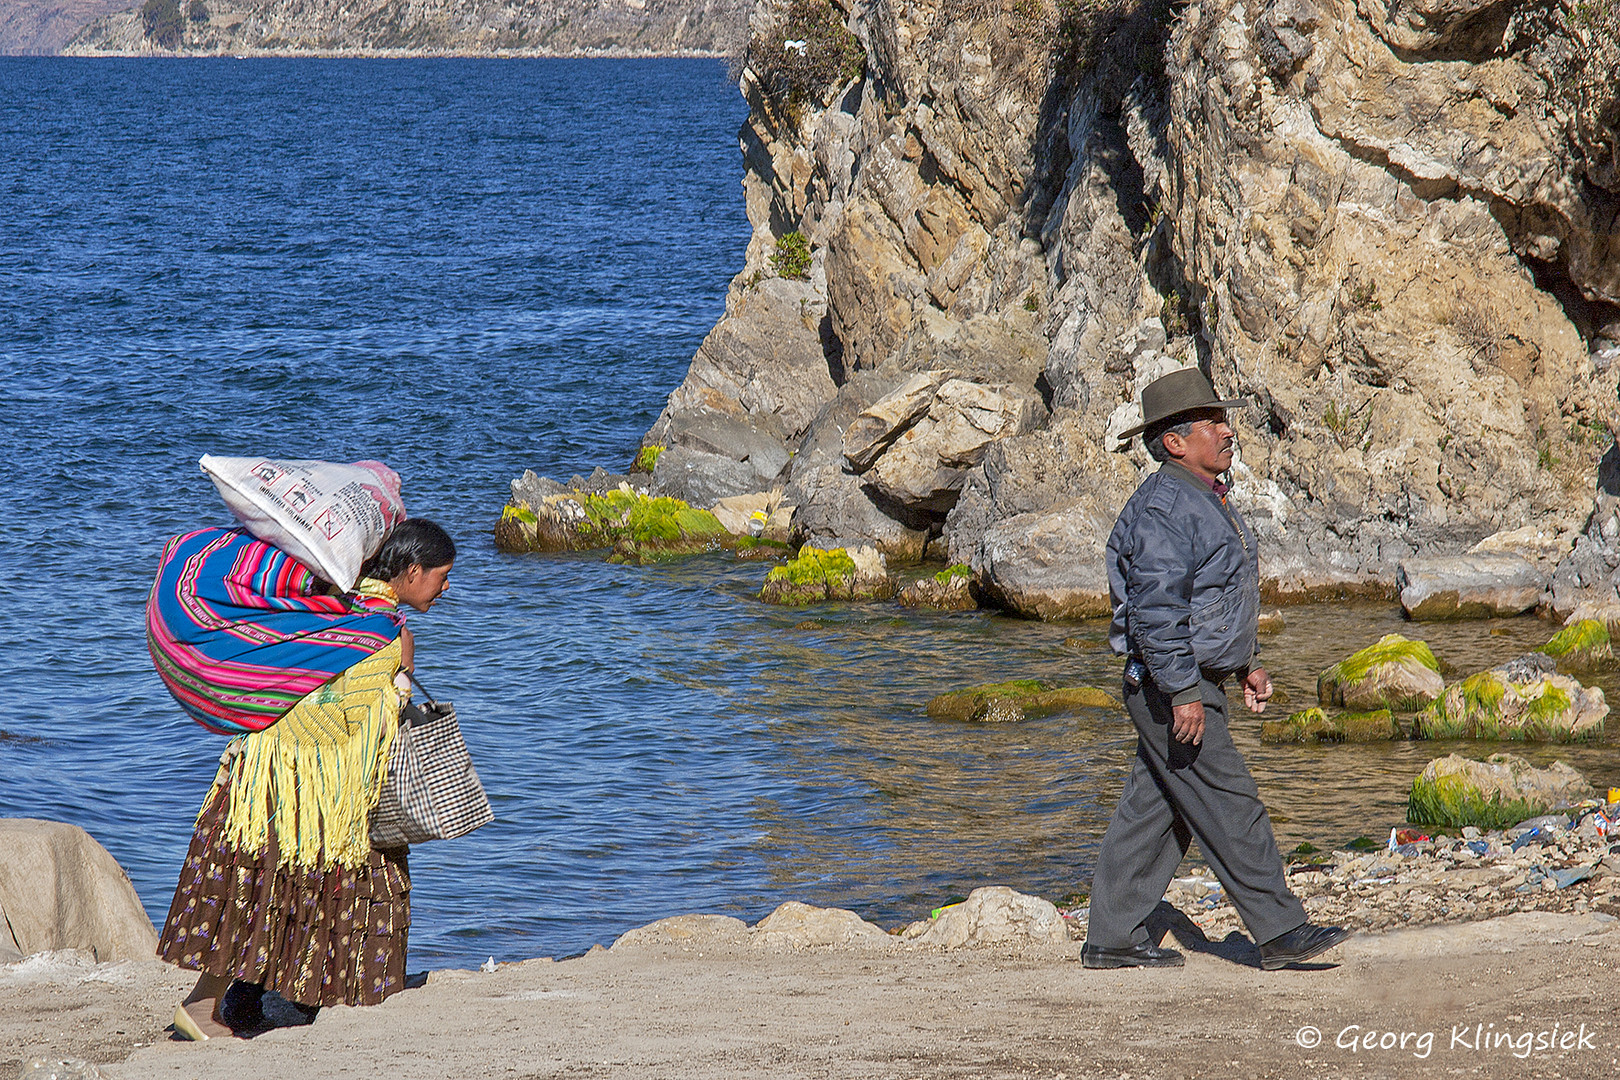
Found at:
[372, 27]
[1393, 226]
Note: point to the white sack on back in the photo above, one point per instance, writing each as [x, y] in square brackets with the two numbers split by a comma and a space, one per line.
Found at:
[330, 517]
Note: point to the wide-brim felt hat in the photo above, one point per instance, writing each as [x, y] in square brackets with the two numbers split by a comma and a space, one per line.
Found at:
[1178, 392]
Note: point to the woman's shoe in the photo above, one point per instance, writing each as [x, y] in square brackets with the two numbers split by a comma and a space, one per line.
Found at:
[187, 1026]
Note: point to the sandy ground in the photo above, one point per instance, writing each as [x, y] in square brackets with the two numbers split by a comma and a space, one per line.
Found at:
[745, 1011]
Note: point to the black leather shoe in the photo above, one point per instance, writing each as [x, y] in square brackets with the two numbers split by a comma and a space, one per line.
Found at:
[1143, 955]
[240, 1009]
[1300, 944]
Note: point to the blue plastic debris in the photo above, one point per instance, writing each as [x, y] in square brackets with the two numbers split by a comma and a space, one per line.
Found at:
[1565, 878]
[1535, 835]
[1479, 847]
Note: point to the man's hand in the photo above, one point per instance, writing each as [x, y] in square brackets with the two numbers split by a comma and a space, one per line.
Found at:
[1187, 722]
[1257, 690]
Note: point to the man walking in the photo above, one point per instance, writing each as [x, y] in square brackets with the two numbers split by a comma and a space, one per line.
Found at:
[1185, 583]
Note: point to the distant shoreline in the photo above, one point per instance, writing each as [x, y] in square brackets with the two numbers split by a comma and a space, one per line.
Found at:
[384, 54]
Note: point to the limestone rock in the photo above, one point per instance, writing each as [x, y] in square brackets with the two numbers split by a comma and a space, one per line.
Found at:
[59, 889]
[949, 590]
[1501, 790]
[1523, 699]
[924, 466]
[876, 428]
[1049, 566]
[764, 359]
[993, 915]
[1393, 673]
[758, 513]
[1470, 586]
[799, 926]
[683, 930]
[712, 455]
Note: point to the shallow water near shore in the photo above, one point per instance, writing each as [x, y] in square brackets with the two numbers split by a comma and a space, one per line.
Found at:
[467, 268]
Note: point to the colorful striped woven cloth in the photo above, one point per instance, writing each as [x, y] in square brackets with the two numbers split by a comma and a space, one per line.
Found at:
[240, 631]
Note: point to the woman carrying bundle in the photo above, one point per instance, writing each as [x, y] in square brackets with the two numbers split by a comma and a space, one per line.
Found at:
[281, 888]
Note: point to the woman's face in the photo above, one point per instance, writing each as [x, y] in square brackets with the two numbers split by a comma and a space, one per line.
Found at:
[419, 587]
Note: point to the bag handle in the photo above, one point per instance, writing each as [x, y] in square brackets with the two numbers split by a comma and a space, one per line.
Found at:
[411, 675]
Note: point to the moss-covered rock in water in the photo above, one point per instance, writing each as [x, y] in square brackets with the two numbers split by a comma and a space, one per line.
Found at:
[1496, 793]
[1315, 725]
[646, 459]
[949, 590]
[998, 702]
[1582, 646]
[815, 575]
[1524, 699]
[1392, 673]
[650, 528]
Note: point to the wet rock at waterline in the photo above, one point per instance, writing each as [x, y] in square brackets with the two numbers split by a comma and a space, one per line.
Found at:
[1393, 673]
[1502, 790]
[1523, 699]
[949, 590]
[1470, 586]
[815, 575]
[1315, 725]
[1016, 700]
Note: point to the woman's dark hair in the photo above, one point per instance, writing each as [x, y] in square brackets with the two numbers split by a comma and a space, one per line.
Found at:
[414, 542]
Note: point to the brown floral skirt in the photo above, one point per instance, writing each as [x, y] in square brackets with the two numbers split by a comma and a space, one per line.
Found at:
[321, 937]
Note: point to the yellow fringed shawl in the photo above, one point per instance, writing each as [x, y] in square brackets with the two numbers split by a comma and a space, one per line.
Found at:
[318, 771]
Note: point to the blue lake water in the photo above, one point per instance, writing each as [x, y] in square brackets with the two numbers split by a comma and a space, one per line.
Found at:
[466, 268]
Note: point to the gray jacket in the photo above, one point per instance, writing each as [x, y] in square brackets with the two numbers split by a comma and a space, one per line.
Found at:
[1184, 578]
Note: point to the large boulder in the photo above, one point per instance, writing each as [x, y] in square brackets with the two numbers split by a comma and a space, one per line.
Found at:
[1500, 791]
[800, 926]
[994, 915]
[916, 445]
[1524, 699]
[59, 889]
[712, 455]
[1470, 586]
[1392, 673]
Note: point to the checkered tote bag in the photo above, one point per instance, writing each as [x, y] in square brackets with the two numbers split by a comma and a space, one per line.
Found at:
[432, 791]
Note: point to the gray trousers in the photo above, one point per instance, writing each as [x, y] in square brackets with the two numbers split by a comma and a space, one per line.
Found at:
[1175, 793]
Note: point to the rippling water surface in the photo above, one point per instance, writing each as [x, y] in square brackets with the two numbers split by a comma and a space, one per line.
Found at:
[467, 268]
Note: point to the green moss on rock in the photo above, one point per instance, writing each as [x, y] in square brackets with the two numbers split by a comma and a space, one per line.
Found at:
[1453, 802]
[815, 575]
[1315, 725]
[1582, 646]
[953, 573]
[1485, 706]
[1394, 673]
[650, 528]
[646, 459]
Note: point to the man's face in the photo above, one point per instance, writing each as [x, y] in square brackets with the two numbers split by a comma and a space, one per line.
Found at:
[1207, 448]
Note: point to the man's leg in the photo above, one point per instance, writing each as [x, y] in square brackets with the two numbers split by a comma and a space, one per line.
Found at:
[1140, 851]
[1211, 790]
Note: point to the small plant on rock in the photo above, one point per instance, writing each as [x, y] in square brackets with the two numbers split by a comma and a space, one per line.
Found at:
[791, 259]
